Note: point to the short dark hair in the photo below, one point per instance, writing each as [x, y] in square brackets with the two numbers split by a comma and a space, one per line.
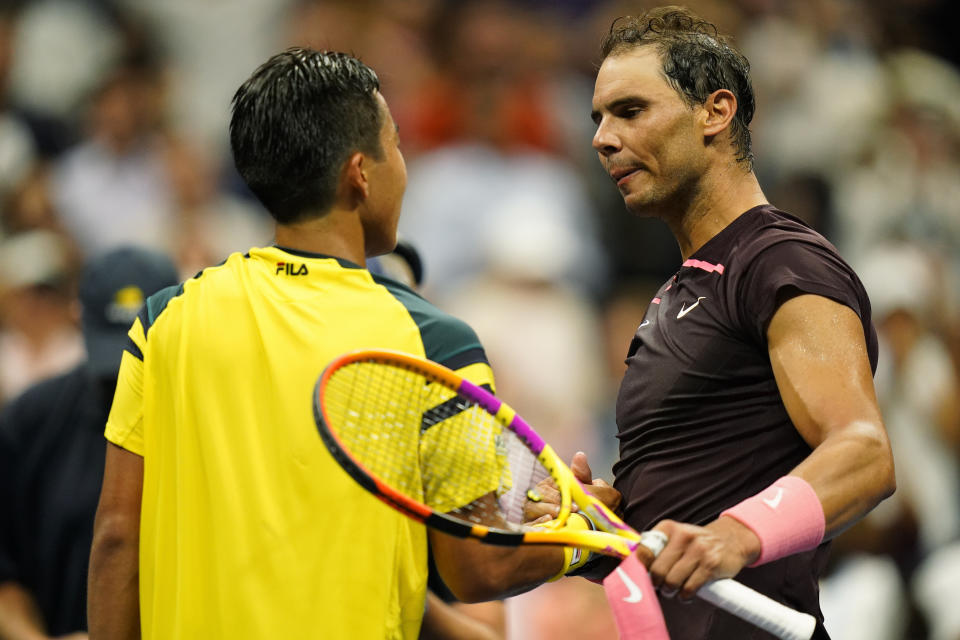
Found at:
[296, 120]
[697, 61]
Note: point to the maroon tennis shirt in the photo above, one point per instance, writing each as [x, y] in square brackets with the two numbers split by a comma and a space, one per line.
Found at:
[700, 420]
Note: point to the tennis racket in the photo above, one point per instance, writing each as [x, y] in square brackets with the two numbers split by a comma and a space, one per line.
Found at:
[451, 455]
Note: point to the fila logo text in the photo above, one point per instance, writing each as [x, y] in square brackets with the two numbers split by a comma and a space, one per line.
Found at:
[292, 269]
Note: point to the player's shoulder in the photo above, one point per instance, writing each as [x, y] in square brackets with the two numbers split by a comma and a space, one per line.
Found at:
[768, 238]
[200, 285]
[768, 227]
[446, 338]
[157, 303]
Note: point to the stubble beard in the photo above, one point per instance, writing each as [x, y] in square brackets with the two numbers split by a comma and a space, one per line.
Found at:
[662, 201]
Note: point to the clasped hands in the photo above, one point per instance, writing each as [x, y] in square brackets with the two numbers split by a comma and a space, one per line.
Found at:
[693, 555]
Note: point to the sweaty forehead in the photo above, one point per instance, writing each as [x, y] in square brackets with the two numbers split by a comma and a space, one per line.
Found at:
[634, 72]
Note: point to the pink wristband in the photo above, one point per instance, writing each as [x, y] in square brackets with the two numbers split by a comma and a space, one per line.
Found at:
[787, 517]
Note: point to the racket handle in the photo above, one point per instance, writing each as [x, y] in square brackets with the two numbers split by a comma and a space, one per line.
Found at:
[758, 609]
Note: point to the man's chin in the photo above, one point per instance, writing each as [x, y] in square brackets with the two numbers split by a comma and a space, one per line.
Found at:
[381, 246]
[638, 206]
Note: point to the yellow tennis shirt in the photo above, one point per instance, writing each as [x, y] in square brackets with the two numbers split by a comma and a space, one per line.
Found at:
[249, 529]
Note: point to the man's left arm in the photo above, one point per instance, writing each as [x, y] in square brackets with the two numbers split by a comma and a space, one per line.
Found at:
[819, 357]
[820, 362]
[113, 592]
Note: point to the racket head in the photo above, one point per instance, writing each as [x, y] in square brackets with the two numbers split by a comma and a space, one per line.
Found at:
[448, 453]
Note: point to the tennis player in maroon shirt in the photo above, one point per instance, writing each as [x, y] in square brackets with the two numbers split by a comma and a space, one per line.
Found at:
[748, 423]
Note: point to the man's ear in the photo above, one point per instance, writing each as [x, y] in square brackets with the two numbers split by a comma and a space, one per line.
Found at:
[719, 107]
[353, 178]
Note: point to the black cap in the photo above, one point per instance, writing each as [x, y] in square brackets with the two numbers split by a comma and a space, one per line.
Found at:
[403, 264]
[113, 288]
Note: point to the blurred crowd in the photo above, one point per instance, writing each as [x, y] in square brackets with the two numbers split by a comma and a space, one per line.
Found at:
[113, 130]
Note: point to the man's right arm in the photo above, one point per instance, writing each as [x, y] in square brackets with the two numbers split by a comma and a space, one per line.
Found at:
[475, 571]
[113, 591]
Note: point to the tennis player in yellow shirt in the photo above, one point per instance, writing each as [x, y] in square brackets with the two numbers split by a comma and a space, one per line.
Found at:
[221, 514]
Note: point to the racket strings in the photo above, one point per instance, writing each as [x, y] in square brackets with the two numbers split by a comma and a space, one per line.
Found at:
[425, 441]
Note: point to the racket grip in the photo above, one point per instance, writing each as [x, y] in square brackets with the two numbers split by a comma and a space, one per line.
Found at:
[758, 609]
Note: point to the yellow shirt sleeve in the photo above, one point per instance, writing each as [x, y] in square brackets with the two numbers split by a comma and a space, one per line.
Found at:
[125, 422]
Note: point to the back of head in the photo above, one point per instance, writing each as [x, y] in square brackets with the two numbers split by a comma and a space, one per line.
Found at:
[697, 61]
[113, 288]
[295, 121]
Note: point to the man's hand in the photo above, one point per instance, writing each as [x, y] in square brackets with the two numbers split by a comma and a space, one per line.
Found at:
[548, 506]
[697, 555]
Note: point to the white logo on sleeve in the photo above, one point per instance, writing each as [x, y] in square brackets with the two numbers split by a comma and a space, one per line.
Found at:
[774, 502]
[635, 594]
[643, 324]
[684, 309]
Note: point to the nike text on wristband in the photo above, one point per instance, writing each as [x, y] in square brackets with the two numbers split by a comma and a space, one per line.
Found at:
[787, 517]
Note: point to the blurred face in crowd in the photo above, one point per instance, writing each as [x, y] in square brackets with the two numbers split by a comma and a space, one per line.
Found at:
[387, 177]
[648, 139]
[127, 106]
[6, 49]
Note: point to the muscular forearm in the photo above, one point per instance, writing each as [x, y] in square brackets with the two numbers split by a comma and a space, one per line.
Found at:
[820, 361]
[19, 617]
[476, 572]
[851, 472]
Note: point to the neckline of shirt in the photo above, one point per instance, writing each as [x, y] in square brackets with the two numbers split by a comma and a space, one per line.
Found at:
[740, 220]
[318, 256]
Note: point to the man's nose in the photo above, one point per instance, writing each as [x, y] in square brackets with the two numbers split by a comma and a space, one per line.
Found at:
[605, 141]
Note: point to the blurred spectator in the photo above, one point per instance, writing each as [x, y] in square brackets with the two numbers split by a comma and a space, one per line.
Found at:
[823, 94]
[38, 323]
[62, 49]
[403, 264]
[113, 188]
[808, 196]
[935, 585]
[568, 609]
[209, 48]
[865, 599]
[52, 454]
[389, 36]
[917, 388]
[29, 207]
[17, 152]
[488, 86]
[542, 336]
[209, 223]
[905, 185]
[462, 200]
